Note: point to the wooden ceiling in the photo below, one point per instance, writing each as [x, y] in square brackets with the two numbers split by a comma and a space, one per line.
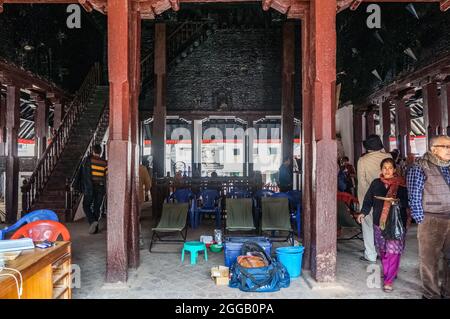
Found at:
[149, 9]
[14, 75]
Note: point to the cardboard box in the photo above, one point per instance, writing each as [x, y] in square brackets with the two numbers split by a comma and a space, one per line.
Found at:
[221, 281]
[220, 275]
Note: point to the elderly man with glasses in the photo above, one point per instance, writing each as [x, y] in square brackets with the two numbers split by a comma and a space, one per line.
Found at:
[428, 182]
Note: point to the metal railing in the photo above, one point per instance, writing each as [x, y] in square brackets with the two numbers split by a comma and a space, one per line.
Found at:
[35, 184]
[73, 192]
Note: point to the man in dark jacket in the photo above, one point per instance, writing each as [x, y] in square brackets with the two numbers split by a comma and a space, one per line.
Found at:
[94, 171]
[285, 175]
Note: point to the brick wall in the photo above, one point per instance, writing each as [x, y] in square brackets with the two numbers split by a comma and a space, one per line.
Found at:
[232, 70]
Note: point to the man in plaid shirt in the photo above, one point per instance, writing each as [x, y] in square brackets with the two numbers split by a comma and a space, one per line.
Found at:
[428, 184]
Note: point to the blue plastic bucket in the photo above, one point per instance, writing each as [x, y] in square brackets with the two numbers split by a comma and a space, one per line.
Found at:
[291, 258]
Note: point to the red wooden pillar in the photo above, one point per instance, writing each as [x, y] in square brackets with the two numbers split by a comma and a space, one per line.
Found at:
[2, 125]
[385, 120]
[431, 109]
[402, 127]
[323, 64]
[58, 114]
[445, 102]
[12, 159]
[307, 136]
[370, 122]
[159, 109]
[357, 134]
[135, 39]
[287, 91]
[119, 176]
[40, 125]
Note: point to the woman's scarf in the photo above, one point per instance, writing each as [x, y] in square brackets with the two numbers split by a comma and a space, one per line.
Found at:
[392, 184]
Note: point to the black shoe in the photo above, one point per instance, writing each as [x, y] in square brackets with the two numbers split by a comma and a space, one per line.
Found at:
[93, 228]
[367, 260]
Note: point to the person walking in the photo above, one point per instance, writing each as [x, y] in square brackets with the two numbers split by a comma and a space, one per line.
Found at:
[368, 169]
[392, 188]
[428, 182]
[94, 186]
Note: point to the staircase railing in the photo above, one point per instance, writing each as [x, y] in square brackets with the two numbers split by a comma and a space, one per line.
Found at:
[34, 185]
[73, 191]
[177, 41]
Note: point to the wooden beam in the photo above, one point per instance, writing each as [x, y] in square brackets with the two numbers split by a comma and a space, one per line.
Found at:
[2, 125]
[175, 4]
[27, 80]
[58, 114]
[119, 176]
[370, 122]
[307, 136]
[431, 109]
[196, 140]
[86, 5]
[323, 64]
[444, 5]
[402, 127]
[357, 134]
[415, 79]
[12, 160]
[385, 117]
[287, 90]
[266, 4]
[249, 140]
[445, 106]
[344, 4]
[133, 240]
[41, 115]
[159, 111]
[355, 4]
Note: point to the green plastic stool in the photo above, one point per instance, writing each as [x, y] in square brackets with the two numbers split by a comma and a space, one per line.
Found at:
[194, 247]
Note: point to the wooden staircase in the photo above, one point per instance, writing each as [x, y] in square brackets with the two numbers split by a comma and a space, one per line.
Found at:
[85, 123]
[53, 195]
[52, 184]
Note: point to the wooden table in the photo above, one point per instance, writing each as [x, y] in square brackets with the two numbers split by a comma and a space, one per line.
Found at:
[46, 273]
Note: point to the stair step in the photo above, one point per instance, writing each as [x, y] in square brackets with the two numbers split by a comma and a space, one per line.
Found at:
[53, 196]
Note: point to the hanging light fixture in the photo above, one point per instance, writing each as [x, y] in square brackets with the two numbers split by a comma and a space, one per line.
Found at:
[409, 52]
[378, 36]
[410, 7]
[377, 75]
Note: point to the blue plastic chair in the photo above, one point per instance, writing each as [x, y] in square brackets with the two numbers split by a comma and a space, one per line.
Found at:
[210, 205]
[185, 195]
[294, 197]
[41, 214]
[297, 197]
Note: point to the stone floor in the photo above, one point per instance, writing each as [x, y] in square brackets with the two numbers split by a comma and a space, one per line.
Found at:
[163, 276]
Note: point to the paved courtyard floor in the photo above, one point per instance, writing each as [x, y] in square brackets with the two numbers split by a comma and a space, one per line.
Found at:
[162, 275]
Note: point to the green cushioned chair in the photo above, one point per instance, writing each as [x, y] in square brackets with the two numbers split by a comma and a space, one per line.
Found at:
[276, 218]
[173, 220]
[239, 215]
